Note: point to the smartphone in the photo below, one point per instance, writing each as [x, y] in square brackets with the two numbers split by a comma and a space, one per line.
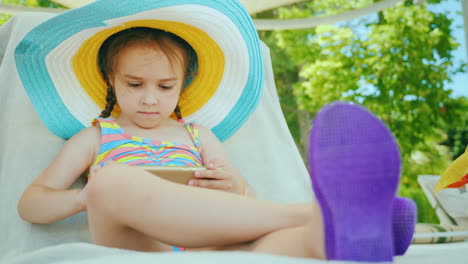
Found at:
[177, 174]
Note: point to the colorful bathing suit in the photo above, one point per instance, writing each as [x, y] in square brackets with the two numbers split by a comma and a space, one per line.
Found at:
[178, 249]
[121, 147]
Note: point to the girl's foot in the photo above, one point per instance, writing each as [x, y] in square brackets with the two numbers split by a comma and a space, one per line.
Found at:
[355, 166]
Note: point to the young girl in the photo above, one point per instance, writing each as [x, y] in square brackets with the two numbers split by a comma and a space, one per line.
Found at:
[146, 71]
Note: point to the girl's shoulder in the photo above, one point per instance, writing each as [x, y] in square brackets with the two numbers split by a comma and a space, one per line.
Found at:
[91, 131]
[205, 134]
[86, 142]
[201, 128]
[89, 135]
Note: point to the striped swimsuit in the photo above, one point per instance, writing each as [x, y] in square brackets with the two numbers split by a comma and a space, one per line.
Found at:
[119, 146]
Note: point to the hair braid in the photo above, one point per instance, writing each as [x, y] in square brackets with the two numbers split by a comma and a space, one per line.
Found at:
[111, 100]
[177, 112]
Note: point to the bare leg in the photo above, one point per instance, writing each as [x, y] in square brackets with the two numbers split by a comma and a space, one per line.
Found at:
[106, 232]
[130, 198]
[306, 241]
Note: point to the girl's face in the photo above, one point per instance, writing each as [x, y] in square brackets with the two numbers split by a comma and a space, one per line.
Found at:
[147, 86]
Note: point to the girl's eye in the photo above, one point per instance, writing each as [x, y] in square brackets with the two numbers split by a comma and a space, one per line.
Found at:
[134, 84]
[166, 86]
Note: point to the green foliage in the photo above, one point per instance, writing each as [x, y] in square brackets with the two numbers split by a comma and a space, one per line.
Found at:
[47, 3]
[397, 63]
[29, 3]
[457, 137]
[4, 18]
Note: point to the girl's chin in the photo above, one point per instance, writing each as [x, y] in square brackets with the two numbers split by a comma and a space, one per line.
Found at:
[145, 121]
[148, 123]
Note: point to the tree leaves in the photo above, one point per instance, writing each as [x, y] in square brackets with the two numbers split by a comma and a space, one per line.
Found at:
[396, 63]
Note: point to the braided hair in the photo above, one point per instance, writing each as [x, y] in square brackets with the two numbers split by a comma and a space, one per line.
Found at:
[125, 38]
[177, 112]
[110, 102]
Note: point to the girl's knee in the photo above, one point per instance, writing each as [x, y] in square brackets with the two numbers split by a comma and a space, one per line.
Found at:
[306, 213]
[115, 185]
[105, 185]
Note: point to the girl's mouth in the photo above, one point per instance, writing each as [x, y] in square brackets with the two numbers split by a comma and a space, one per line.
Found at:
[148, 113]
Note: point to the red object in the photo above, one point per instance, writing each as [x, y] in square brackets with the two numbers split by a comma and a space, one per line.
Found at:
[460, 183]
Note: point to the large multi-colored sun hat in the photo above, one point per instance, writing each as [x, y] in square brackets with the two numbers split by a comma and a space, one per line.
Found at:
[57, 61]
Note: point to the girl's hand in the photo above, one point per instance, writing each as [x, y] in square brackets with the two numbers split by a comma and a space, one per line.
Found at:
[83, 194]
[216, 177]
[81, 198]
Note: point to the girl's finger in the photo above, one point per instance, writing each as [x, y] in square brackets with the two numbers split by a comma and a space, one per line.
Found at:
[214, 164]
[212, 174]
[211, 184]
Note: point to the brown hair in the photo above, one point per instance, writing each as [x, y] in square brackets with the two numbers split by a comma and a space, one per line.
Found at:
[174, 47]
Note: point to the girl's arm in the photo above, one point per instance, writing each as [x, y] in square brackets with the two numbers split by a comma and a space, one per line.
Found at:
[47, 199]
[214, 156]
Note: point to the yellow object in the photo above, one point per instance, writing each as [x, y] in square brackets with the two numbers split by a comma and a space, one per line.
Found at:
[456, 175]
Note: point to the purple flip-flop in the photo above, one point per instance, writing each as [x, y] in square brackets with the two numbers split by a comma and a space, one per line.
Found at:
[354, 166]
[404, 216]
[403, 223]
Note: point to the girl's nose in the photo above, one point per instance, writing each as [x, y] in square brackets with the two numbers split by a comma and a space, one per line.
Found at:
[150, 98]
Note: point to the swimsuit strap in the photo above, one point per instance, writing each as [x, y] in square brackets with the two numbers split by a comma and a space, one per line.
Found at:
[193, 132]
